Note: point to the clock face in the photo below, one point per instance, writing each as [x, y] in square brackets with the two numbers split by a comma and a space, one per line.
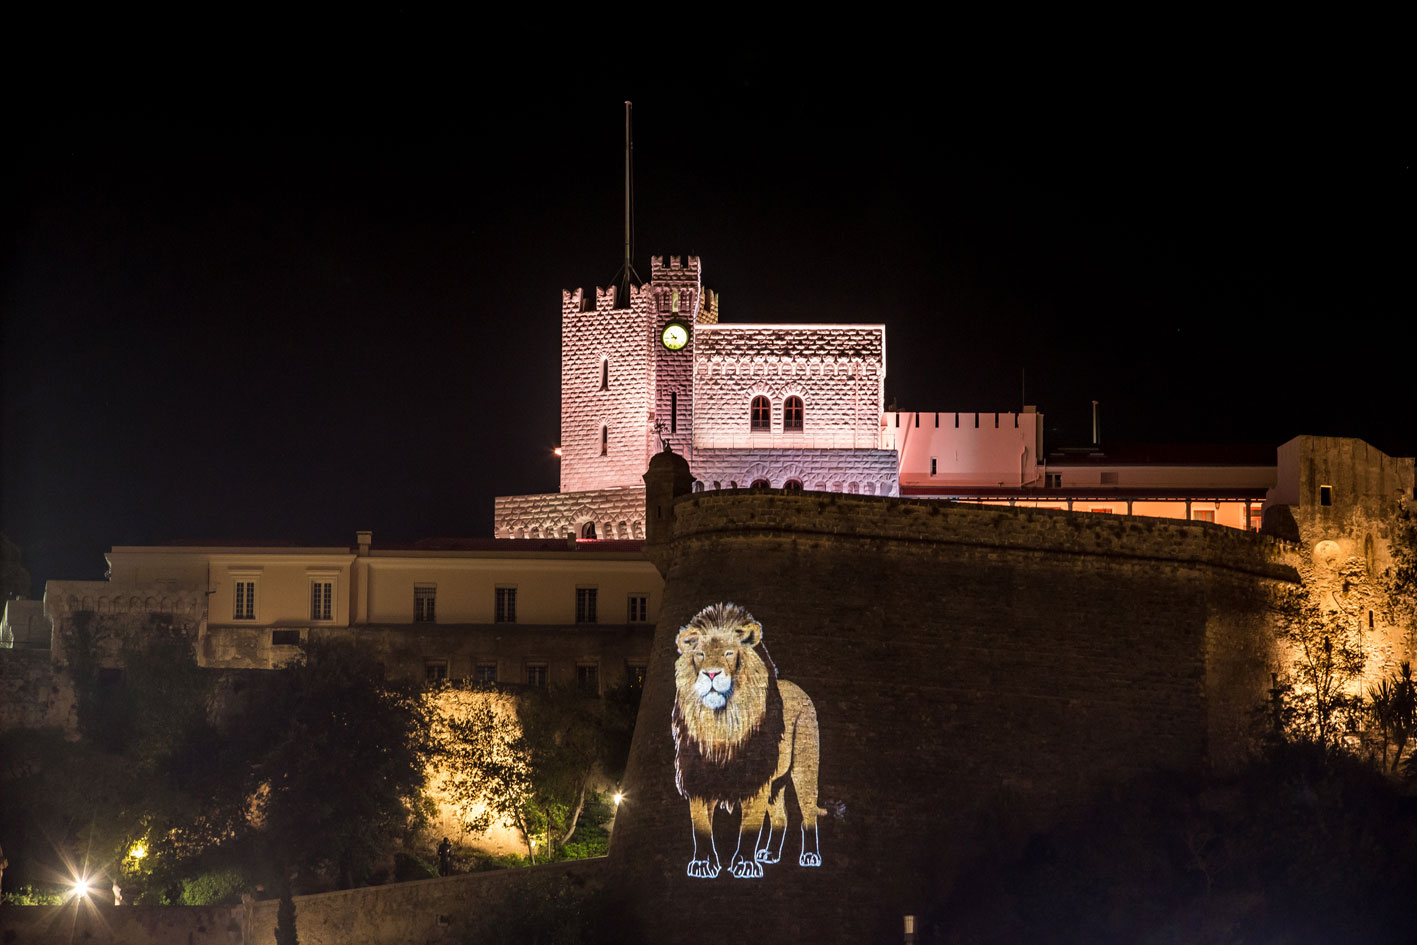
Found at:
[674, 336]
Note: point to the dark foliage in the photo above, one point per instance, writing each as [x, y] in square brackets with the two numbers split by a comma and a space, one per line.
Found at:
[1302, 846]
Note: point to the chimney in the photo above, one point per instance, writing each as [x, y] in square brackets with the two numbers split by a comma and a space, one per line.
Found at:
[365, 539]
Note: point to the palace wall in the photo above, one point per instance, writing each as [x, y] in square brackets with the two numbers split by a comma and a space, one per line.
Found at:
[969, 665]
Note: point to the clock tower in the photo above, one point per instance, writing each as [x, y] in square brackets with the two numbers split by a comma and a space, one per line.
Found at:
[627, 375]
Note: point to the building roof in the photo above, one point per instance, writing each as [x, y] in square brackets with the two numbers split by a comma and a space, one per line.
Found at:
[1167, 454]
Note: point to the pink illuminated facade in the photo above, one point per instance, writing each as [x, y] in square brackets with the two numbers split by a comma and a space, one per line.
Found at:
[802, 406]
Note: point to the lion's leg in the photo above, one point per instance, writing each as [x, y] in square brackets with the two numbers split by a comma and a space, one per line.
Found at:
[704, 865]
[806, 755]
[744, 864]
[776, 826]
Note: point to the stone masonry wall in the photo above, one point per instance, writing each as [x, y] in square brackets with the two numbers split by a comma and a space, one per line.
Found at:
[837, 370]
[976, 671]
[678, 294]
[868, 472]
[619, 339]
[617, 513]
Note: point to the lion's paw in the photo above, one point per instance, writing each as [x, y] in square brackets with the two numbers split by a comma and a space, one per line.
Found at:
[767, 855]
[809, 859]
[702, 869]
[747, 869]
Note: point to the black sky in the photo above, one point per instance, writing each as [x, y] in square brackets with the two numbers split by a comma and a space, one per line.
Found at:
[294, 294]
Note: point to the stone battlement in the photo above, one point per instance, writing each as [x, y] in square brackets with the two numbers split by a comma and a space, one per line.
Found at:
[1048, 531]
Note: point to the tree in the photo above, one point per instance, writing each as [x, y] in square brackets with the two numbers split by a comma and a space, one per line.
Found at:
[529, 762]
[341, 780]
[1327, 660]
[1393, 706]
[488, 758]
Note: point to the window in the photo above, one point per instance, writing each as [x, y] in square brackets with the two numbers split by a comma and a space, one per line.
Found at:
[585, 605]
[245, 600]
[917, 419]
[760, 484]
[1256, 518]
[485, 674]
[322, 599]
[285, 638]
[435, 671]
[424, 600]
[604, 441]
[932, 465]
[1325, 495]
[761, 421]
[793, 485]
[1053, 480]
[1202, 515]
[588, 679]
[717, 485]
[588, 531]
[536, 675]
[605, 374]
[638, 608]
[506, 611]
[635, 674]
[673, 412]
[792, 415]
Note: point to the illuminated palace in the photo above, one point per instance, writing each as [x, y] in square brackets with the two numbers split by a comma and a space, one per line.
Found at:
[801, 406]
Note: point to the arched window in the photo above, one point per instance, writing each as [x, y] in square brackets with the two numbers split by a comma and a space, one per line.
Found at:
[732, 484]
[760, 483]
[792, 415]
[605, 374]
[604, 440]
[588, 530]
[793, 485]
[761, 415]
[716, 485]
[698, 486]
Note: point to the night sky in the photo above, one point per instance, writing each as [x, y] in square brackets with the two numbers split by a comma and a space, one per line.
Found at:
[293, 295]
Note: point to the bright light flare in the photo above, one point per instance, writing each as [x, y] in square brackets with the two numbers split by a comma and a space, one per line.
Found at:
[618, 798]
[81, 888]
[556, 450]
[138, 851]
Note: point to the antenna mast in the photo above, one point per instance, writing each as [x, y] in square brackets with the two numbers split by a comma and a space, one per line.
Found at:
[627, 275]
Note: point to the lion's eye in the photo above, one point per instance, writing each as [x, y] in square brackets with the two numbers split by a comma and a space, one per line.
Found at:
[699, 655]
[728, 654]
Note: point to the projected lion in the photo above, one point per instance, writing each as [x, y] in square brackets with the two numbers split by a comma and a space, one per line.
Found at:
[739, 734]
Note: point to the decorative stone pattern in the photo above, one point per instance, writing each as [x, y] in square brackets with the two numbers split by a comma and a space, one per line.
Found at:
[837, 370]
[678, 295]
[868, 472]
[624, 396]
[616, 513]
[607, 344]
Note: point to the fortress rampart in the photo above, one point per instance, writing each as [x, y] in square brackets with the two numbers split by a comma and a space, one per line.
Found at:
[976, 672]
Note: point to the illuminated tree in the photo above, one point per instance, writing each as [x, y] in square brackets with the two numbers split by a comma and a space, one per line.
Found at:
[1327, 659]
[480, 740]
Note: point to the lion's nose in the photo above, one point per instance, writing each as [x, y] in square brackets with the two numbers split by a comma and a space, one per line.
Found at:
[711, 675]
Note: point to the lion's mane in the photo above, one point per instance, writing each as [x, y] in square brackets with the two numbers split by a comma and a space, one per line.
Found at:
[726, 755]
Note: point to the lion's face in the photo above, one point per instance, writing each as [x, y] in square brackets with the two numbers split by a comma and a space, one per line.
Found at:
[715, 658]
[722, 682]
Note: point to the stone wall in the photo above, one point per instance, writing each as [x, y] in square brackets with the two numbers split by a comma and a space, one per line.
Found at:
[452, 909]
[616, 513]
[838, 370]
[976, 671]
[868, 472]
[31, 694]
[103, 924]
[612, 344]
[467, 908]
